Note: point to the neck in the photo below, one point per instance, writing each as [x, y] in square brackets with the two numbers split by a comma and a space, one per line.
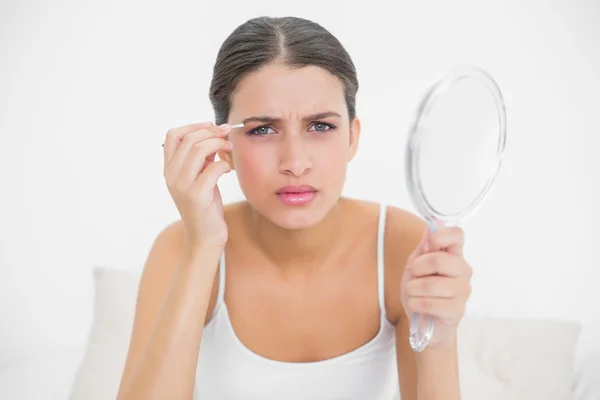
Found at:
[302, 249]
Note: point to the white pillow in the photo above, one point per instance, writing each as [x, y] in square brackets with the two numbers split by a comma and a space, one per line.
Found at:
[526, 359]
[100, 371]
[499, 359]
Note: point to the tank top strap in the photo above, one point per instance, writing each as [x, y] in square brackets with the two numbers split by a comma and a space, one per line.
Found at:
[380, 258]
[221, 290]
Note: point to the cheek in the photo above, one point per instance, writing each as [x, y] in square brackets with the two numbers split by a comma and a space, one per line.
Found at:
[332, 158]
[251, 164]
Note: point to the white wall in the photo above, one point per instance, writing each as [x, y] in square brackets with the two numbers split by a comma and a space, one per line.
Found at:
[88, 89]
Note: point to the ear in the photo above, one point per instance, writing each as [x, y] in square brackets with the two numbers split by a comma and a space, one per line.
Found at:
[354, 136]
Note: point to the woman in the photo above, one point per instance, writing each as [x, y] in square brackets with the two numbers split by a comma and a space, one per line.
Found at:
[297, 292]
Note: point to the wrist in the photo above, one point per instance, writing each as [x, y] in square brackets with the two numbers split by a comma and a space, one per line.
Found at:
[438, 375]
[194, 245]
[439, 354]
[201, 254]
[195, 249]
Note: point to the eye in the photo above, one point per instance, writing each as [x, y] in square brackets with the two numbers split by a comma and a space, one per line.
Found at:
[260, 130]
[322, 126]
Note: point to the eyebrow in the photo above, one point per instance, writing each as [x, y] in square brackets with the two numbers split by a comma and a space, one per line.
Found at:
[268, 119]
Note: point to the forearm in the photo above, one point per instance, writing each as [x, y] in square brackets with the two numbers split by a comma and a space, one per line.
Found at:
[438, 375]
[168, 365]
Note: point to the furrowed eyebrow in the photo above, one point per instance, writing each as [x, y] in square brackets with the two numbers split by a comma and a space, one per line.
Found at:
[327, 114]
[268, 119]
[261, 118]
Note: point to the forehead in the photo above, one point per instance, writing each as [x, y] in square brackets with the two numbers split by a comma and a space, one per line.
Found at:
[277, 89]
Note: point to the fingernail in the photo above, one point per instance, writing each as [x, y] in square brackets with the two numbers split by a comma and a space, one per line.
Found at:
[225, 127]
[230, 144]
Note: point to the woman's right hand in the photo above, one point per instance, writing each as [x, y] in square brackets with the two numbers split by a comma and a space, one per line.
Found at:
[191, 174]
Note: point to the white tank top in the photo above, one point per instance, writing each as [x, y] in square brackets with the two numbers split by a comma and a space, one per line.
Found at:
[227, 369]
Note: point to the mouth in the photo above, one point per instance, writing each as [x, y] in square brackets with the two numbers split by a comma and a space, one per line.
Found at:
[296, 195]
[296, 189]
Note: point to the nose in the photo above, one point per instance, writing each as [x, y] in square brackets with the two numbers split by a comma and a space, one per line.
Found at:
[294, 156]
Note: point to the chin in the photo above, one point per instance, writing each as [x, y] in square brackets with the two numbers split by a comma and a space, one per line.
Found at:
[296, 219]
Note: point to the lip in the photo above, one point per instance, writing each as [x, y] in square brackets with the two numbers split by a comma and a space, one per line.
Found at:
[295, 189]
[296, 195]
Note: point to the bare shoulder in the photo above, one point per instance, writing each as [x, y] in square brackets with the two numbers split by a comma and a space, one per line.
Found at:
[403, 233]
[168, 241]
[165, 250]
[162, 257]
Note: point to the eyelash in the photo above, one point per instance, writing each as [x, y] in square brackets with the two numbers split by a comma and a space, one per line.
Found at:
[252, 132]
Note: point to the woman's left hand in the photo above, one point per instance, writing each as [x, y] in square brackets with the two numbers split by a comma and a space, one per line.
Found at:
[437, 283]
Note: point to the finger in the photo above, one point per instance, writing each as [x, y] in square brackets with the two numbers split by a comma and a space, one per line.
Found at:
[207, 181]
[439, 263]
[189, 141]
[420, 247]
[450, 239]
[436, 286]
[174, 136]
[202, 154]
[436, 307]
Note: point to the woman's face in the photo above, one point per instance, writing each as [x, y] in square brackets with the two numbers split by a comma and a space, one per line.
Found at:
[291, 155]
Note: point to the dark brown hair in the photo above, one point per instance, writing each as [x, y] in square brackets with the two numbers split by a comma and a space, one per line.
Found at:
[292, 41]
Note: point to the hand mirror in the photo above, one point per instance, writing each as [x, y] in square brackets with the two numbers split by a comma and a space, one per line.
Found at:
[453, 154]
